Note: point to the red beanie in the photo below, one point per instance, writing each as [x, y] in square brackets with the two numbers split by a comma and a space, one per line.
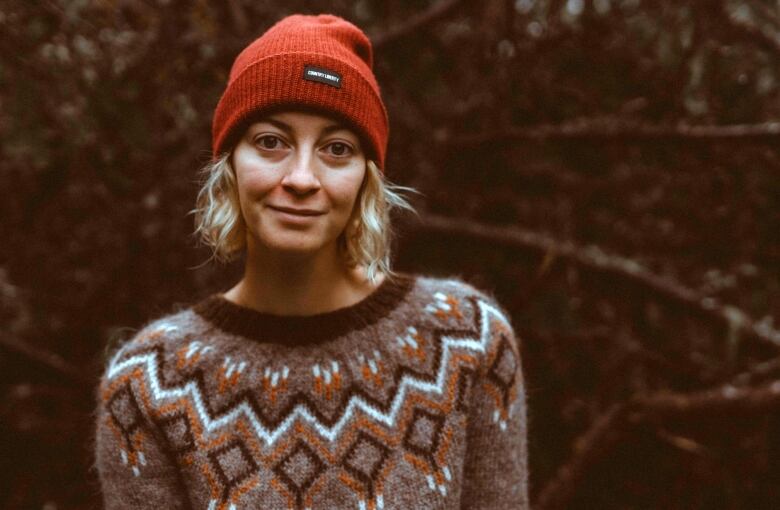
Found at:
[322, 63]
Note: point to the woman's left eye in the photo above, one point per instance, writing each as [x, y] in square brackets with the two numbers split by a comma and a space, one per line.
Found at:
[339, 149]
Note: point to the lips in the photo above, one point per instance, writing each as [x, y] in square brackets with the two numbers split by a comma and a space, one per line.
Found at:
[296, 211]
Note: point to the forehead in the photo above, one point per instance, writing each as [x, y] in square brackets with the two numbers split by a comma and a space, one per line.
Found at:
[301, 121]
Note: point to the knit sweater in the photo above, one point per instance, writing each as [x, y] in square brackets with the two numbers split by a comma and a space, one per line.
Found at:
[413, 398]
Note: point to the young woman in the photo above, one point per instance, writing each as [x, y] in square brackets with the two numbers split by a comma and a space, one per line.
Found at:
[322, 379]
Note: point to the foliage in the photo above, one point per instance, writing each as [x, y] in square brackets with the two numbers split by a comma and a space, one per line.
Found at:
[530, 114]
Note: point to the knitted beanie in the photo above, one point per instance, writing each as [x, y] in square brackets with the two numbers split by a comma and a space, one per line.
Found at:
[321, 63]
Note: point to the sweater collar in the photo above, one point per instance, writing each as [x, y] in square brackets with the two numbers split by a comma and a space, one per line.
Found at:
[305, 329]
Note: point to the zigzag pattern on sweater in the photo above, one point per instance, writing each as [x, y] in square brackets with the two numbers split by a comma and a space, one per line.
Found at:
[361, 427]
[269, 429]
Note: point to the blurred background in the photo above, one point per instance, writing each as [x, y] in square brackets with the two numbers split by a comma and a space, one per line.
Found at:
[608, 168]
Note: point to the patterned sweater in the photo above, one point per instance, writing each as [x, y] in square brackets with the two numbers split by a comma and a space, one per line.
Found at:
[412, 398]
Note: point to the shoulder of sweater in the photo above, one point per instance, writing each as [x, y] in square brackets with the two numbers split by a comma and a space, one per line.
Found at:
[492, 315]
[165, 332]
[169, 329]
[458, 287]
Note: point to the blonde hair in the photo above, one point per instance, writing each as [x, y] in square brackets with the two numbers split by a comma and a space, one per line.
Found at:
[365, 241]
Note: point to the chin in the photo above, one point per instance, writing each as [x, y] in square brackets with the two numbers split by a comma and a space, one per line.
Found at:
[295, 242]
[294, 245]
[295, 250]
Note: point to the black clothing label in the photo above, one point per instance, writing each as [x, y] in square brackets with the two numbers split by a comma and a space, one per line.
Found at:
[322, 75]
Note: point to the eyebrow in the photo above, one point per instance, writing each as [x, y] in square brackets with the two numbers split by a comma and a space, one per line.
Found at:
[288, 128]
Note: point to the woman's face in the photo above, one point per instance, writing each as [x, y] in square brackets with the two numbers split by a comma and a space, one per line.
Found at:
[298, 177]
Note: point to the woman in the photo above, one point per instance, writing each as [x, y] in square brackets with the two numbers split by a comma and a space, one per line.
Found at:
[322, 379]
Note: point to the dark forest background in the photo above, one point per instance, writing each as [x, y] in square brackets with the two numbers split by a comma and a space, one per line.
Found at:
[608, 168]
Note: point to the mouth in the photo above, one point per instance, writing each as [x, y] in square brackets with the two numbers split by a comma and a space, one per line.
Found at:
[297, 212]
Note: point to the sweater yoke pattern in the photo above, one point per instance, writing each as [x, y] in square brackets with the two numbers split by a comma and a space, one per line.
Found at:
[340, 423]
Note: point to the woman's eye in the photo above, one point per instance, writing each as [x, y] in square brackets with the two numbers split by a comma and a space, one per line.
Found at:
[339, 149]
[269, 142]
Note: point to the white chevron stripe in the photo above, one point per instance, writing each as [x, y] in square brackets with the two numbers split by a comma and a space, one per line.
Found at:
[406, 384]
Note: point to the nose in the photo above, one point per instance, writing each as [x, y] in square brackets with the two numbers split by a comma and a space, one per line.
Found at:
[300, 177]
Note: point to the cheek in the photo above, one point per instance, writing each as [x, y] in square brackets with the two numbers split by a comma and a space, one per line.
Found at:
[252, 177]
[253, 187]
[347, 189]
[255, 184]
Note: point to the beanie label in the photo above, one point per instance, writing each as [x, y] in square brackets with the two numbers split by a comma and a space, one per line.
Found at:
[322, 75]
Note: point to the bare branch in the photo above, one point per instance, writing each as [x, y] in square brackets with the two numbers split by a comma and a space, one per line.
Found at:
[757, 371]
[772, 16]
[685, 444]
[611, 129]
[593, 258]
[728, 397]
[764, 38]
[417, 22]
[45, 358]
[607, 431]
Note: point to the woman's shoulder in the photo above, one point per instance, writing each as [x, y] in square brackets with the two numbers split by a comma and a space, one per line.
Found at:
[169, 327]
[463, 314]
[456, 287]
[163, 334]
[455, 297]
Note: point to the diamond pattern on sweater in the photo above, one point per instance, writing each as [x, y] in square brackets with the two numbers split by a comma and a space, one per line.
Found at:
[125, 411]
[503, 369]
[178, 432]
[305, 440]
[365, 458]
[299, 469]
[424, 433]
[233, 464]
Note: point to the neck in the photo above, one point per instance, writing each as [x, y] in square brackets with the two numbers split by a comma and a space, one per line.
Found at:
[296, 284]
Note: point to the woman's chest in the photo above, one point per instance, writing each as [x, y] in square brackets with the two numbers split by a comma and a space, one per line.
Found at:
[369, 429]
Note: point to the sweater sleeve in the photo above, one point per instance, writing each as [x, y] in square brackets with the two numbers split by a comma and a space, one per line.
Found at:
[135, 470]
[495, 475]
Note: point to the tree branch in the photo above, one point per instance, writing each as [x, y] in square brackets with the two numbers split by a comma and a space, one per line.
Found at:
[757, 371]
[45, 358]
[728, 396]
[598, 129]
[596, 442]
[593, 258]
[766, 39]
[607, 431]
[417, 22]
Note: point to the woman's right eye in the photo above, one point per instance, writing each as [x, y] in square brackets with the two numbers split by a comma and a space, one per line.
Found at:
[268, 142]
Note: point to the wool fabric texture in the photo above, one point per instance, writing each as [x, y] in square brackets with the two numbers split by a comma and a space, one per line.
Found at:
[412, 398]
[274, 72]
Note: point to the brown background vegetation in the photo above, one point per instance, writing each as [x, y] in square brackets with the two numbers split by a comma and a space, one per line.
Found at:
[609, 168]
